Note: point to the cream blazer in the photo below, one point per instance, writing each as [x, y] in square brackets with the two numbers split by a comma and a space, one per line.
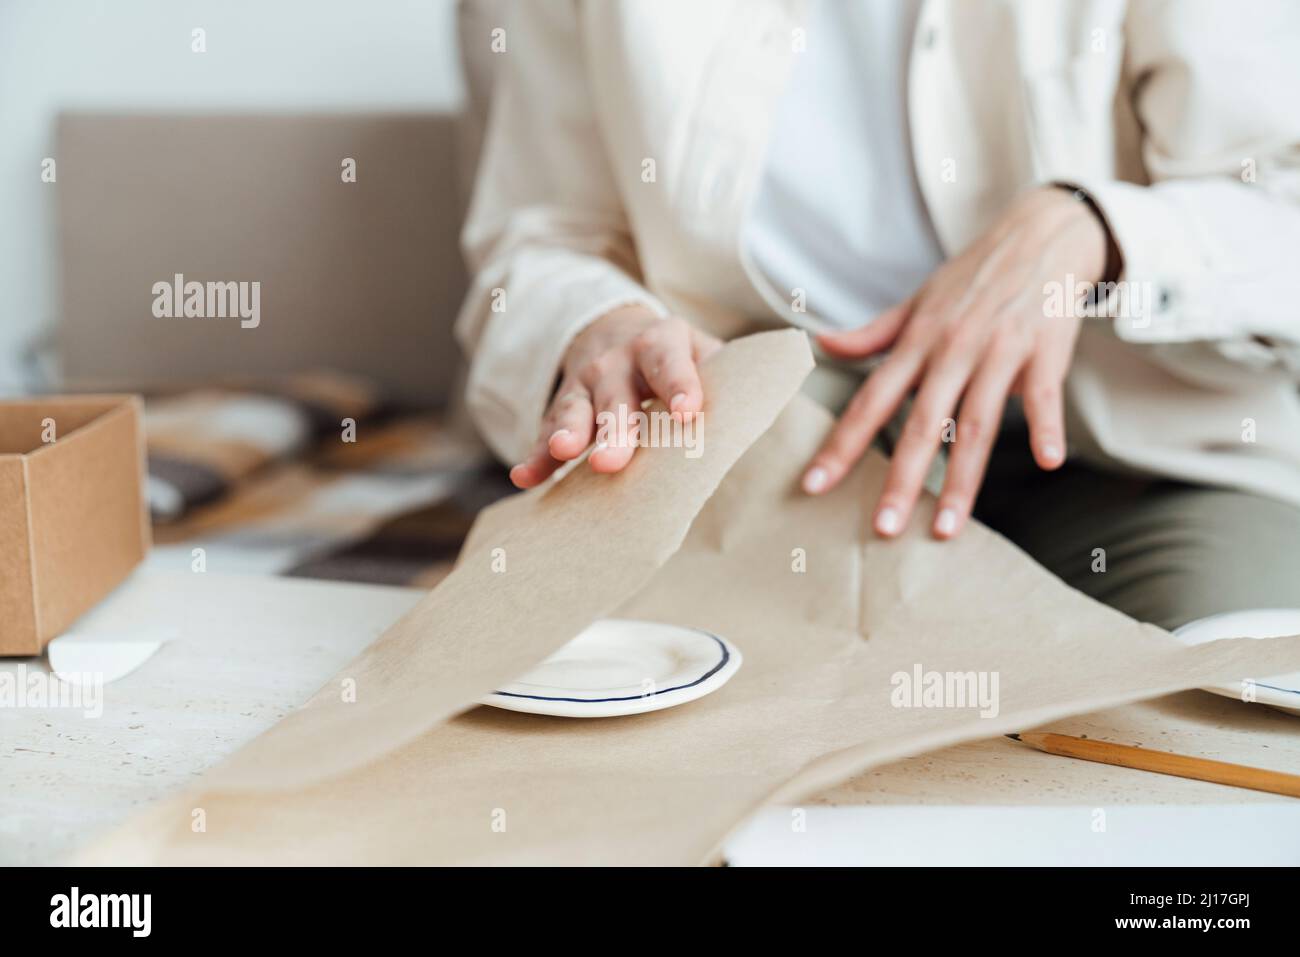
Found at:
[627, 137]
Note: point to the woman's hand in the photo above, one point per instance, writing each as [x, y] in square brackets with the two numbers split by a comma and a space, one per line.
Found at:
[621, 359]
[974, 333]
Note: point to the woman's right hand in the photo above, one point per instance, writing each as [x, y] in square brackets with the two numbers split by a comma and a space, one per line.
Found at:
[624, 357]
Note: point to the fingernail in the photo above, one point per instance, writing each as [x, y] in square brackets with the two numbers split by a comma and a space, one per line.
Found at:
[887, 521]
[600, 447]
[946, 522]
[676, 401]
[815, 480]
[1052, 453]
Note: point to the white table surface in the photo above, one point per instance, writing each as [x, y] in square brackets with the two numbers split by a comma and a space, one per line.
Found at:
[249, 649]
[1163, 835]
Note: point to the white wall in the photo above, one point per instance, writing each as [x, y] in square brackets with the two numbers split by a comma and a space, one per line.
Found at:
[135, 56]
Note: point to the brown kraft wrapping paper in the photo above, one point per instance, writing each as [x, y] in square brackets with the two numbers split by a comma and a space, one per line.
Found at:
[827, 615]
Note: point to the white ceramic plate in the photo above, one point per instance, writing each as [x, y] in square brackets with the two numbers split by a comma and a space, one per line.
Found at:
[620, 666]
[1280, 691]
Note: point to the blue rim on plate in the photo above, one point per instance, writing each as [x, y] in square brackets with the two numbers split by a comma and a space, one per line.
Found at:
[1250, 623]
[590, 676]
[726, 656]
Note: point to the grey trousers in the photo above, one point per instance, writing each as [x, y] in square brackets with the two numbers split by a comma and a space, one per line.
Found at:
[1158, 550]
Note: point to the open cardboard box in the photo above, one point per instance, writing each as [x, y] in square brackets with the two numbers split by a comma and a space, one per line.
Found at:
[72, 511]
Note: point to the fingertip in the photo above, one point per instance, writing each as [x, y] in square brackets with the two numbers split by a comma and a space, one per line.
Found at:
[683, 404]
[816, 480]
[853, 343]
[850, 350]
[867, 339]
[564, 445]
[835, 342]
[947, 523]
[522, 476]
[1049, 456]
[888, 522]
[606, 460]
[686, 404]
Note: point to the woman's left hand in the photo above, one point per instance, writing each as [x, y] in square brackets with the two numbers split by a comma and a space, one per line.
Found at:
[974, 333]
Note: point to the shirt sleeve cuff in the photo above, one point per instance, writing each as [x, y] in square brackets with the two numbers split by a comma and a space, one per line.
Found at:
[1160, 294]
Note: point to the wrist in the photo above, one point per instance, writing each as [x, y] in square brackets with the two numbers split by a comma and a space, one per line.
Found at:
[1107, 262]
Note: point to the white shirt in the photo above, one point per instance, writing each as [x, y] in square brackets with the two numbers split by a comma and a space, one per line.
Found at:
[839, 214]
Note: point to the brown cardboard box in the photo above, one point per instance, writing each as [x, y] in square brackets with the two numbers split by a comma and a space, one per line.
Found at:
[72, 513]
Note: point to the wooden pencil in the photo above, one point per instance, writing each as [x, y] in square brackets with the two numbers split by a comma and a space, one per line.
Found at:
[1162, 762]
